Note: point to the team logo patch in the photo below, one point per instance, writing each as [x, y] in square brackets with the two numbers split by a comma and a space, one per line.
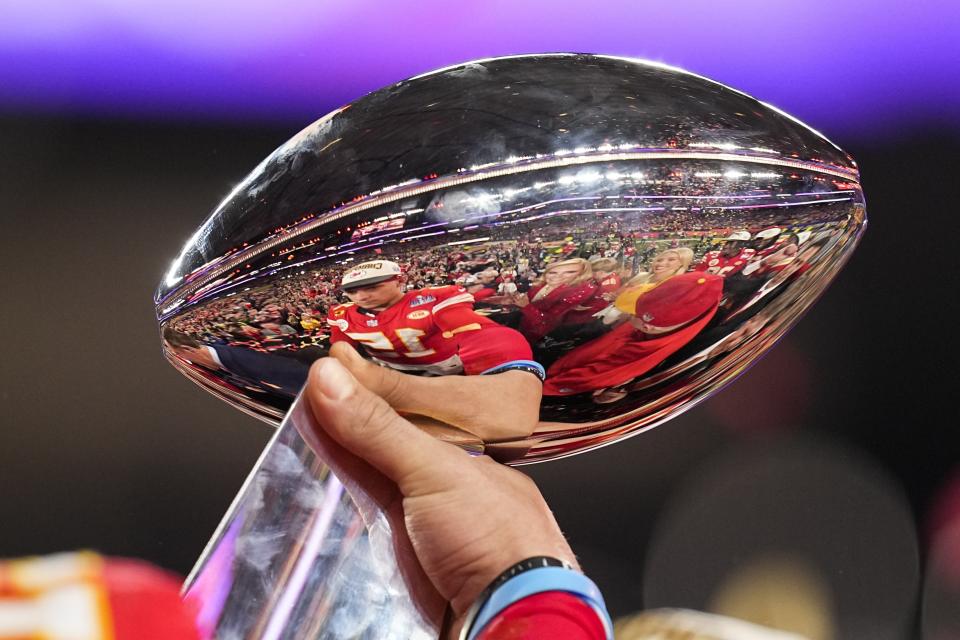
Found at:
[418, 315]
[419, 300]
[339, 312]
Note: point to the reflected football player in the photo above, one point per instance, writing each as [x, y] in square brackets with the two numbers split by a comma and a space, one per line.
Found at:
[665, 319]
[730, 258]
[436, 333]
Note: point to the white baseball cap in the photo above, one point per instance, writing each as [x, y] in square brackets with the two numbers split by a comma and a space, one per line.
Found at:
[769, 232]
[739, 235]
[368, 273]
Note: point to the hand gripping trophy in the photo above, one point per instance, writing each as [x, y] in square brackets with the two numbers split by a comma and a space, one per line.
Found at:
[530, 257]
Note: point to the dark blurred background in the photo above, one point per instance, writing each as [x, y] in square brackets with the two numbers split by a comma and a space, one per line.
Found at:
[820, 492]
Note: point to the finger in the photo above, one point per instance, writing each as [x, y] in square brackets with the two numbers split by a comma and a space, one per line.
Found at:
[383, 381]
[365, 424]
[343, 351]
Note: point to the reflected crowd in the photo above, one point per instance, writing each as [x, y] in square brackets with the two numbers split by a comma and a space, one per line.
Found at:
[605, 308]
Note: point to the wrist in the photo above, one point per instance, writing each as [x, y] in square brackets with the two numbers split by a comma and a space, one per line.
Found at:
[536, 575]
[475, 590]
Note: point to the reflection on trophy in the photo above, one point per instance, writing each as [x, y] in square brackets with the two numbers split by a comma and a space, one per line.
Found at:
[530, 257]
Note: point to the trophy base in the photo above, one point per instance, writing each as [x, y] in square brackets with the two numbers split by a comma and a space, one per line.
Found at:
[301, 555]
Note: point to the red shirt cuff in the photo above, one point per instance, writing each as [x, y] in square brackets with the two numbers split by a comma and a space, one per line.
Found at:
[552, 614]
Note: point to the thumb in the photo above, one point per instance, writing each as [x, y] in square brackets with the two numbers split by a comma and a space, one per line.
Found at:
[345, 353]
[364, 424]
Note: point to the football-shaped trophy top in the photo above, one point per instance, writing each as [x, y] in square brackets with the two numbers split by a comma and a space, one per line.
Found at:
[632, 234]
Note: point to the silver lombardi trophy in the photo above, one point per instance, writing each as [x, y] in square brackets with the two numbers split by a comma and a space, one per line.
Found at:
[546, 253]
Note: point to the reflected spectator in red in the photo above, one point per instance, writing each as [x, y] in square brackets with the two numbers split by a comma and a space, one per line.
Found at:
[783, 254]
[606, 271]
[477, 288]
[663, 266]
[508, 284]
[566, 285]
[762, 295]
[664, 320]
[767, 241]
[608, 283]
[731, 258]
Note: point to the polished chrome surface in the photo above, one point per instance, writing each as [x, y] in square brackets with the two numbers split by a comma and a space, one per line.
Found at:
[641, 232]
[630, 173]
[304, 554]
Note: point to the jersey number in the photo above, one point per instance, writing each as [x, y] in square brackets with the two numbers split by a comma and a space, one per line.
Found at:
[409, 337]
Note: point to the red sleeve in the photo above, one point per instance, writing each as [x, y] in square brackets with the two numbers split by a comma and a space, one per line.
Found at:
[458, 316]
[546, 616]
[482, 344]
[486, 292]
[490, 347]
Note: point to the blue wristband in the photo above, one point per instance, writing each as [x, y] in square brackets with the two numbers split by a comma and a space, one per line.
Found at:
[520, 365]
[536, 581]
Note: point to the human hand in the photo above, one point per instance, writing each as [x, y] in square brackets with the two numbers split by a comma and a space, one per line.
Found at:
[198, 356]
[466, 518]
[519, 299]
[503, 406]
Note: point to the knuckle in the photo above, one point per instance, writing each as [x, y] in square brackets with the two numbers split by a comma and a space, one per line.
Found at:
[392, 385]
[373, 415]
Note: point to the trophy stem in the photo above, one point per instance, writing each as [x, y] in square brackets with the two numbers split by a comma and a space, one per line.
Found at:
[299, 555]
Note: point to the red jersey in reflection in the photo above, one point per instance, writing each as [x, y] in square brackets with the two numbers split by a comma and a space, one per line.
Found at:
[610, 283]
[545, 313]
[715, 262]
[485, 292]
[688, 301]
[433, 330]
[586, 310]
[615, 359]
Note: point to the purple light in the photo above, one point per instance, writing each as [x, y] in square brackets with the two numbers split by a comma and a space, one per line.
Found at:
[855, 67]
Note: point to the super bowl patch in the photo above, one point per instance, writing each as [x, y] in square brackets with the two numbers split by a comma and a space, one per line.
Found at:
[419, 300]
